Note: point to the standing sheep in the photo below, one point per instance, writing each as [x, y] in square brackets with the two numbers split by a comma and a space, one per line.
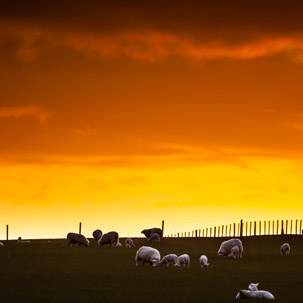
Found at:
[226, 246]
[285, 249]
[203, 261]
[147, 255]
[259, 294]
[73, 238]
[110, 238]
[234, 253]
[171, 258]
[155, 230]
[97, 234]
[183, 260]
[129, 243]
[154, 237]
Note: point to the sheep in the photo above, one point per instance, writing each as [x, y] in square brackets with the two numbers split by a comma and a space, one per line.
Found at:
[154, 237]
[20, 241]
[226, 246]
[129, 243]
[234, 252]
[155, 230]
[118, 244]
[1, 244]
[147, 254]
[203, 261]
[110, 238]
[183, 260]
[259, 294]
[171, 258]
[253, 286]
[97, 234]
[73, 238]
[285, 249]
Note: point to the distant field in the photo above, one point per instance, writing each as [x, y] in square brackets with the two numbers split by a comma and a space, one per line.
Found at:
[53, 272]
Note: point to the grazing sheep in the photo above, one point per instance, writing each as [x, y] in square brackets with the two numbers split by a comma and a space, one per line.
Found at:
[234, 253]
[183, 260]
[97, 234]
[154, 237]
[171, 258]
[203, 261]
[73, 238]
[20, 241]
[118, 244]
[147, 255]
[226, 246]
[285, 249]
[110, 238]
[155, 230]
[253, 286]
[129, 243]
[259, 294]
[1, 244]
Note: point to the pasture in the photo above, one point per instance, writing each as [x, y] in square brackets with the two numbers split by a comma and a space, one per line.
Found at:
[52, 272]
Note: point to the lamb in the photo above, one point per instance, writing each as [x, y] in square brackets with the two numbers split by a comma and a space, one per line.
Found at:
[154, 237]
[147, 254]
[118, 244]
[1, 244]
[234, 252]
[285, 249]
[155, 230]
[20, 241]
[97, 234]
[171, 258]
[183, 260]
[226, 246]
[129, 243]
[203, 261]
[259, 294]
[73, 238]
[110, 238]
[253, 286]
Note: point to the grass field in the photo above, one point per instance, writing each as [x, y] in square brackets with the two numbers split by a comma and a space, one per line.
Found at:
[52, 272]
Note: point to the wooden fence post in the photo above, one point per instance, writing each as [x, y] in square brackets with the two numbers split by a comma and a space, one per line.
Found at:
[178, 235]
[222, 232]
[296, 227]
[234, 229]
[214, 231]
[300, 231]
[241, 228]
[210, 232]
[226, 230]
[206, 231]
[246, 229]
[286, 225]
[282, 229]
[196, 233]
[203, 233]
[277, 227]
[162, 228]
[273, 227]
[218, 231]
[260, 228]
[80, 226]
[250, 228]
[7, 232]
[264, 228]
[290, 232]
[255, 231]
[268, 227]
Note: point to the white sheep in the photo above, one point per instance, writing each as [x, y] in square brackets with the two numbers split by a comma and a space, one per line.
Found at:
[234, 252]
[118, 244]
[253, 286]
[259, 294]
[203, 261]
[171, 258]
[129, 243]
[147, 254]
[285, 249]
[1, 244]
[226, 246]
[183, 260]
[73, 238]
[20, 241]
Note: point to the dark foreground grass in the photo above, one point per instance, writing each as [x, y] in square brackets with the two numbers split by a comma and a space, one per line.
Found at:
[51, 272]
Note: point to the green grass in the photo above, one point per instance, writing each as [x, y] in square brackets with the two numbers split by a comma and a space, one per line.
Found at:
[53, 272]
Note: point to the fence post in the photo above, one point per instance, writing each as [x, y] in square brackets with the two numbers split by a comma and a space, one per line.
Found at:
[196, 233]
[286, 225]
[290, 232]
[241, 228]
[255, 229]
[203, 233]
[210, 232]
[234, 229]
[214, 231]
[246, 228]
[222, 231]
[206, 231]
[273, 227]
[7, 232]
[296, 227]
[300, 231]
[268, 227]
[282, 229]
[277, 227]
[250, 227]
[80, 225]
[162, 228]
[178, 235]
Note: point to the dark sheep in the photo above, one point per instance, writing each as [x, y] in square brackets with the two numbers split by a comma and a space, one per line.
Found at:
[97, 234]
[110, 238]
[155, 230]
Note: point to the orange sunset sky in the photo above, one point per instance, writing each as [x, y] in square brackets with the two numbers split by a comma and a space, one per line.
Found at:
[122, 113]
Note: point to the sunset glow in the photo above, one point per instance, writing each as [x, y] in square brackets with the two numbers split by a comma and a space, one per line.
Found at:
[120, 116]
